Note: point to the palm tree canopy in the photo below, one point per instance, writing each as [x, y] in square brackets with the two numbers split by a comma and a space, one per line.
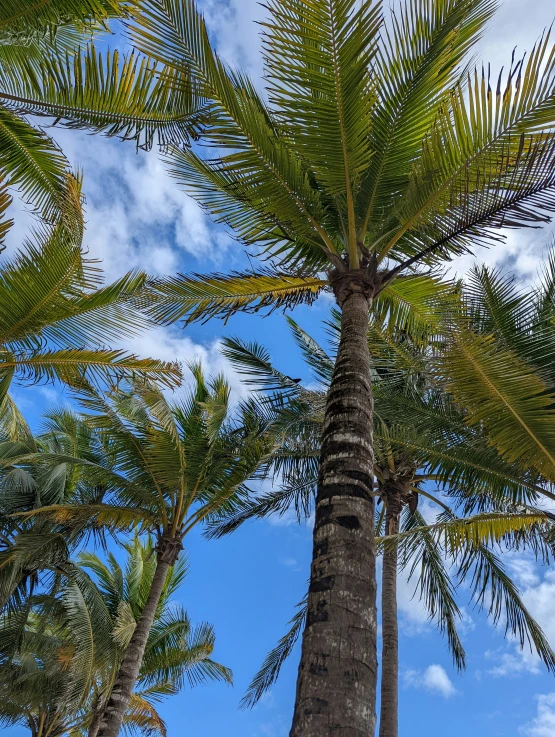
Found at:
[375, 147]
[59, 653]
[164, 466]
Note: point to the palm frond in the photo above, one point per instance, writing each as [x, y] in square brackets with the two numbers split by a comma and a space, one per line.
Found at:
[270, 669]
[200, 297]
[132, 97]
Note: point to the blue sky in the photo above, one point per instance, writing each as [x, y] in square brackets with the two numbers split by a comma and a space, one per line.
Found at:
[247, 585]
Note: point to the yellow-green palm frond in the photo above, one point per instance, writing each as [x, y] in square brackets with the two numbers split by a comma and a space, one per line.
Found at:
[196, 297]
[455, 535]
[318, 58]
[142, 717]
[72, 365]
[419, 60]
[505, 395]
[132, 97]
[486, 163]
[23, 18]
[31, 162]
[52, 306]
[110, 516]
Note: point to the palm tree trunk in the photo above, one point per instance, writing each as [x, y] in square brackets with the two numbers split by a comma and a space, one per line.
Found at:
[118, 703]
[96, 720]
[389, 706]
[336, 686]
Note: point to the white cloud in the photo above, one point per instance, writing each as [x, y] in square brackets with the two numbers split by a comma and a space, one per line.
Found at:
[538, 596]
[169, 344]
[433, 679]
[543, 725]
[514, 663]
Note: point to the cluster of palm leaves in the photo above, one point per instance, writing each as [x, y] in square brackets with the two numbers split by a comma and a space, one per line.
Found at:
[376, 154]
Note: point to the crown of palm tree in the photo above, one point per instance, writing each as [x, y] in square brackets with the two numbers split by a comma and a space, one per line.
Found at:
[59, 654]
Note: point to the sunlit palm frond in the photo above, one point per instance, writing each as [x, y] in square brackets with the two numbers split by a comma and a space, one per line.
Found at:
[31, 162]
[420, 59]
[132, 97]
[201, 297]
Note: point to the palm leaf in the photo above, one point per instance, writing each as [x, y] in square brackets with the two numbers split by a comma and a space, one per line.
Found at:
[132, 98]
[199, 297]
[271, 667]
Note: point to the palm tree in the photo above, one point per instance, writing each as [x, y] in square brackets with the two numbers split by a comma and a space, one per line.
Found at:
[56, 319]
[175, 653]
[165, 467]
[433, 444]
[375, 153]
[56, 676]
[378, 150]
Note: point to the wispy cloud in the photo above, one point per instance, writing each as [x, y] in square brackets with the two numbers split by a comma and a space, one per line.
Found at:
[543, 725]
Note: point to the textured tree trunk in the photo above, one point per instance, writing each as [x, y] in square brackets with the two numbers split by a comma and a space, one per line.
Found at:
[122, 691]
[95, 723]
[389, 706]
[336, 686]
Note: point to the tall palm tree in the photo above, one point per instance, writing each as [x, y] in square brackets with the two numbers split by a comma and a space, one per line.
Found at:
[375, 153]
[420, 436]
[165, 467]
[59, 655]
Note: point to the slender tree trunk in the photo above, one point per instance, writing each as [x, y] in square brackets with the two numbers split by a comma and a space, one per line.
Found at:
[389, 706]
[118, 703]
[336, 686]
[95, 723]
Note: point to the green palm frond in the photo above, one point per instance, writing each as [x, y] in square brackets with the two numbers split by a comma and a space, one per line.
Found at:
[52, 306]
[489, 580]
[499, 389]
[458, 534]
[420, 59]
[28, 16]
[132, 97]
[270, 669]
[199, 297]
[33, 163]
[434, 584]
[254, 362]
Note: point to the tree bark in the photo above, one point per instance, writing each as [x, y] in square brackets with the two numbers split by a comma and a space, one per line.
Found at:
[336, 686]
[118, 703]
[389, 704]
[95, 722]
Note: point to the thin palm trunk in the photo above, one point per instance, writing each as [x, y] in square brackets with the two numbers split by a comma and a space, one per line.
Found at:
[389, 704]
[336, 687]
[119, 700]
[95, 723]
